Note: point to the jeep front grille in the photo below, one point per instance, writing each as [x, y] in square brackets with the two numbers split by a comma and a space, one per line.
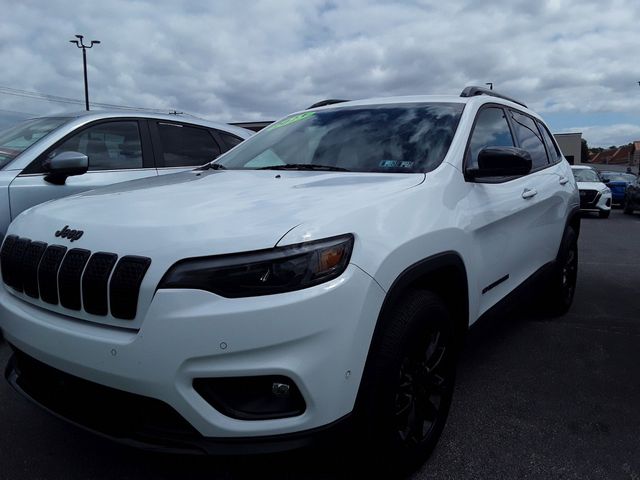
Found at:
[76, 278]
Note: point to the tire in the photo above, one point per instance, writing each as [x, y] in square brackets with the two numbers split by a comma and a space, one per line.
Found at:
[408, 383]
[627, 209]
[562, 287]
[604, 213]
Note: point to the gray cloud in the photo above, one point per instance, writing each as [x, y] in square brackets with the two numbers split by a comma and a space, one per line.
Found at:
[261, 59]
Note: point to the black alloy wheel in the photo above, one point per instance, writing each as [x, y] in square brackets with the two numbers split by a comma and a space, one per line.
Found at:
[424, 378]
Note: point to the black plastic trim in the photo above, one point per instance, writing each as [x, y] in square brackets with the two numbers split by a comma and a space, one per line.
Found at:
[180, 442]
[473, 91]
[495, 284]
[69, 276]
[524, 292]
[95, 282]
[124, 287]
[329, 101]
[30, 264]
[48, 273]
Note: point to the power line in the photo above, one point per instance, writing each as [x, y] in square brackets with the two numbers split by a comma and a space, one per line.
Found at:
[72, 101]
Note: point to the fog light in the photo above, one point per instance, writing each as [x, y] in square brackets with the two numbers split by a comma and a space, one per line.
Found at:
[252, 398]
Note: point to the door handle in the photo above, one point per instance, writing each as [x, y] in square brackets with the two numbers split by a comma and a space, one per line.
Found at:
[529, 192]
[563, 180]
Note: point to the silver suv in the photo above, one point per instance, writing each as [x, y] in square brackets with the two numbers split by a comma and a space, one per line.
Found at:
[51, 157]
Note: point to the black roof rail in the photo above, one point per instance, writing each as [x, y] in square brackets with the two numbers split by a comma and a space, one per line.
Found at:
[474, 91]
[324, 103]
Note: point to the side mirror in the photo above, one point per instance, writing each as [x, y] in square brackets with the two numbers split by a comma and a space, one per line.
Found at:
[501, 162]
[65, 164]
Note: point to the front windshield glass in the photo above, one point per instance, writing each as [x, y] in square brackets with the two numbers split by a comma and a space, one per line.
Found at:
[16, 139]
[585, 175]
[381, 138]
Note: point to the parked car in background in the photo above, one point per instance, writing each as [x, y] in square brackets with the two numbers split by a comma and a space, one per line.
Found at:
[52, 157]
[595, 196]
[617, 183]
[632, 197]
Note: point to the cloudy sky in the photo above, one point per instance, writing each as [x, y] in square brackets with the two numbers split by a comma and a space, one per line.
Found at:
[573, 61]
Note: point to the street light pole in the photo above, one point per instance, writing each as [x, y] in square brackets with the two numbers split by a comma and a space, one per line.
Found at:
[490, 84]
[80, 44]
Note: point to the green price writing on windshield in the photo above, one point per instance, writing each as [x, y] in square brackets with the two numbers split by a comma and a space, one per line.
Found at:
[290, 120]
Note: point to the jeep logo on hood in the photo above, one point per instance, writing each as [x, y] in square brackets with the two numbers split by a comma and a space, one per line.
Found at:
[70, 234]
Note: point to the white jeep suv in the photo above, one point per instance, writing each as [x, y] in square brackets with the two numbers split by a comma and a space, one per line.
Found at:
[319, 276]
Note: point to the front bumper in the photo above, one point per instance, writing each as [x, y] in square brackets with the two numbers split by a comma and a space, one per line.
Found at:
[318, 337]
[139, 421]
[594, 201]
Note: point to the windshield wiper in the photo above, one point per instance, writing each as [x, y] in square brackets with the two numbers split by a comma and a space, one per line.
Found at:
[212, 166]
[305, 166]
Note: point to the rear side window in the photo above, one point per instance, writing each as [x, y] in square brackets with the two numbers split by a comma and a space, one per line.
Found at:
[491, 130]
[530, 139]
[230, 140]
[552, 150]
[184, 146]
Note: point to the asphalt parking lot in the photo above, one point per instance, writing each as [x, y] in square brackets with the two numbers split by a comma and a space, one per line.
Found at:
[536, 397]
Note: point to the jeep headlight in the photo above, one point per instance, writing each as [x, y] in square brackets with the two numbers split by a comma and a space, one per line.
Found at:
[263, 272]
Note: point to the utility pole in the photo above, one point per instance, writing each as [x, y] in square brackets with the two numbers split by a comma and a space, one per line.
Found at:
[490, 85]
[80, 44]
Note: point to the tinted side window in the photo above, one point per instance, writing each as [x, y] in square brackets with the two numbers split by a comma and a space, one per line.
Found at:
[491, 130]
[530, 139]
[109, 146]
[230, 140]
[552, 149]
[184, 146]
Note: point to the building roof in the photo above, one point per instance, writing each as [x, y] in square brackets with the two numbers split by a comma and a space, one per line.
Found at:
[613, 156]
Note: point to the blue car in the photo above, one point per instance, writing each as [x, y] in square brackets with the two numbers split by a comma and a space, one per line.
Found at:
[617, 183]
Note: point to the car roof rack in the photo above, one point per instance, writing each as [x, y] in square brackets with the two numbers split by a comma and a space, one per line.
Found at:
[475, 91]
[324, 103]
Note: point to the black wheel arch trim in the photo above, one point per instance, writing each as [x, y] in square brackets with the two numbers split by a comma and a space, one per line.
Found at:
[426, 268]
[421, 269]
[573, 220]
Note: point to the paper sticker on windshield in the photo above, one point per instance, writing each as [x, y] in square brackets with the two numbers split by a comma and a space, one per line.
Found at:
[395, 164]
[290, 120]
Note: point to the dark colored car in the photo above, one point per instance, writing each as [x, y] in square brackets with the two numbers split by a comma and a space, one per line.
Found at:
[617, 183]
[632, 197]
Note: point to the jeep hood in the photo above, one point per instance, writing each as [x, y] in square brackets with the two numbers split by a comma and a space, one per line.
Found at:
[206, 212]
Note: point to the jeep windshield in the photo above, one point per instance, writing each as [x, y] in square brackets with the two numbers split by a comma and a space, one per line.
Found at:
[373, 138]
[16, 139]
